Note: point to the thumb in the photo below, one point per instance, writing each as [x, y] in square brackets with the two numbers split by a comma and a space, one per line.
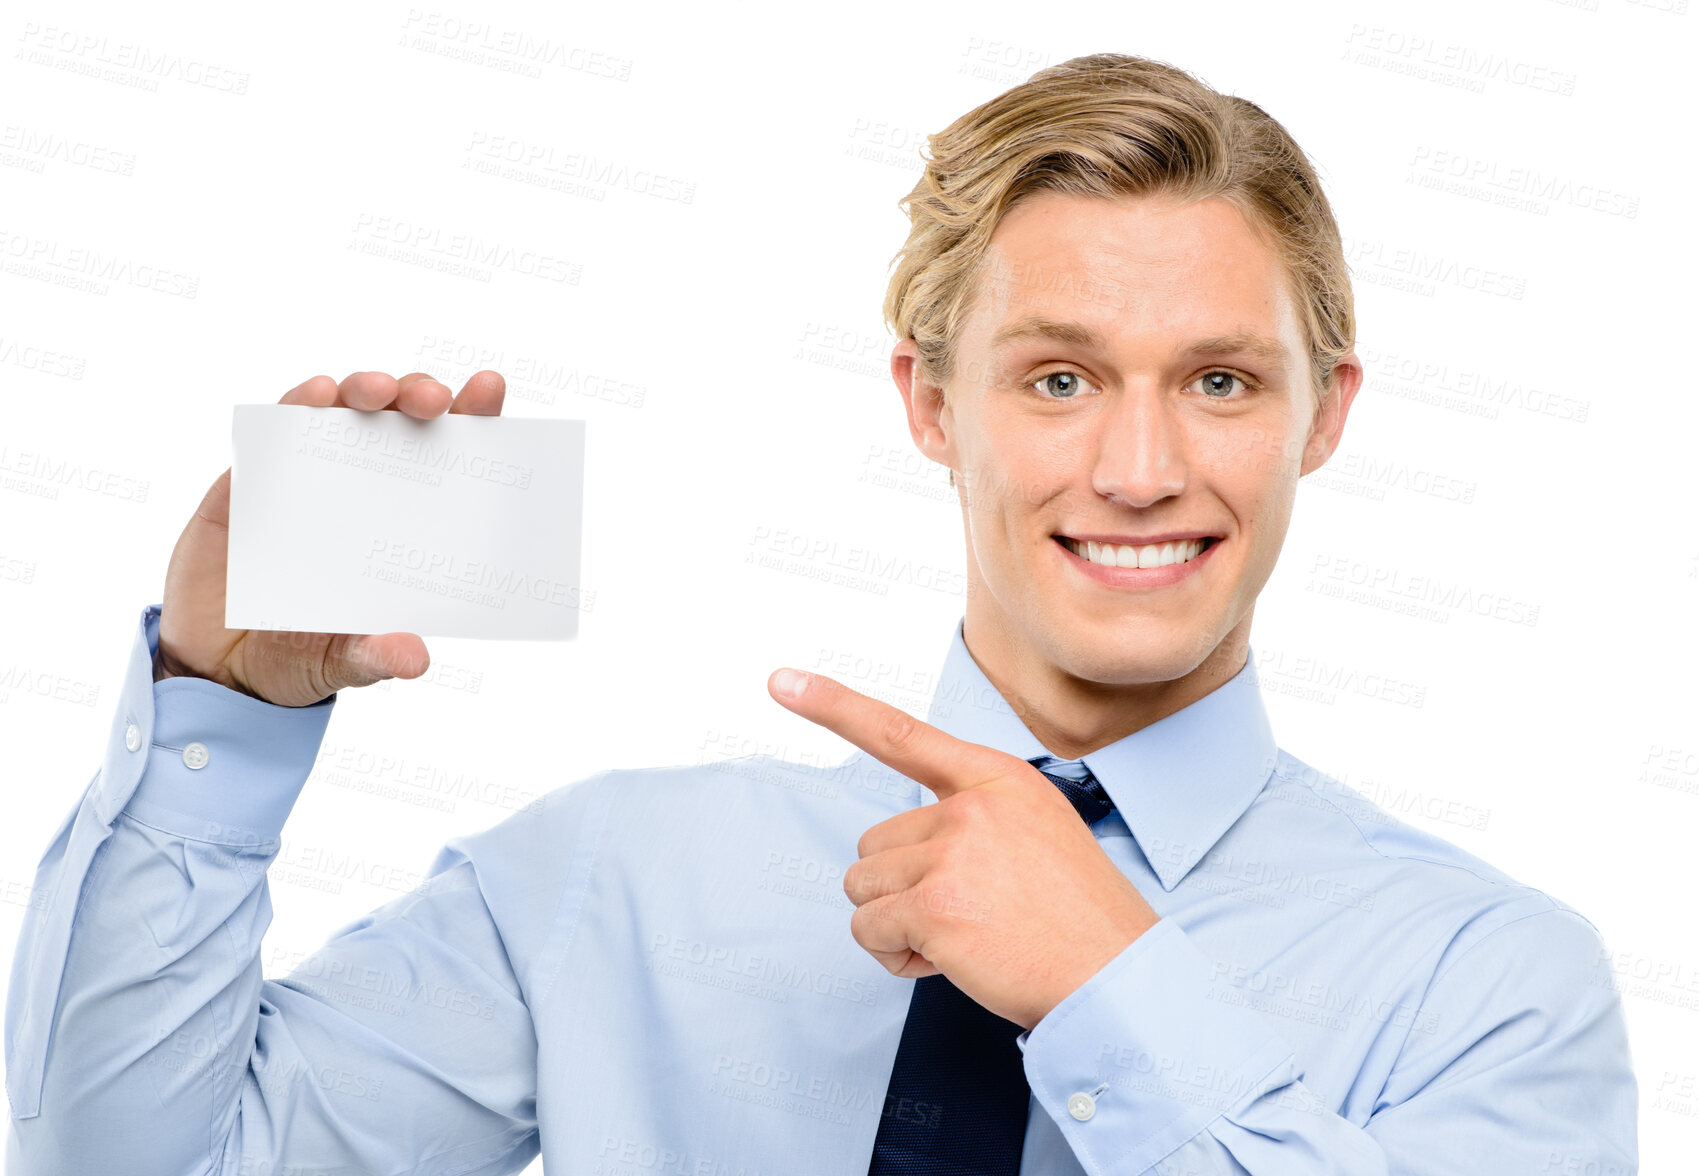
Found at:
[373, 658]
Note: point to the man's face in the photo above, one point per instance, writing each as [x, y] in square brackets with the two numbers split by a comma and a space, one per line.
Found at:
[1131, 372]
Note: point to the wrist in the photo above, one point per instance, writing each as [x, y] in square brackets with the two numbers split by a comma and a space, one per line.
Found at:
[165, 666]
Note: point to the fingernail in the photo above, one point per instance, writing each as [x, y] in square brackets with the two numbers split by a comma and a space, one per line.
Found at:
[789, 682]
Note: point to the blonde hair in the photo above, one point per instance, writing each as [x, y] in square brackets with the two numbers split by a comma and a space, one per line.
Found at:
[1110, 125]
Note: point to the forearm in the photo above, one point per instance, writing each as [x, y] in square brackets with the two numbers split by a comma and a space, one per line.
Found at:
[135, 988]
[1518, 1065]
[1149, 1069]
[155, 1006]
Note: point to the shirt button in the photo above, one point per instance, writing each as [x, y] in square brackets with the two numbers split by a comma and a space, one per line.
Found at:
[132, 737]
[1082, 1106]
[195, 755]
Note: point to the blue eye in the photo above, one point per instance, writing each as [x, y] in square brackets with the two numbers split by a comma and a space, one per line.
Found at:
[1214, 387]
[1063, 385]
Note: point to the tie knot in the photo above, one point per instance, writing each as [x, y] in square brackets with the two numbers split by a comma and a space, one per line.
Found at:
[1075, 781]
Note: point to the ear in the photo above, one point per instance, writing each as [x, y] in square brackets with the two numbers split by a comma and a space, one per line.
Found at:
[929, 421]
[1328, 424]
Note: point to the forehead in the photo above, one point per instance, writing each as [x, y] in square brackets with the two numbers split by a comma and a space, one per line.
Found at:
[1133, 265]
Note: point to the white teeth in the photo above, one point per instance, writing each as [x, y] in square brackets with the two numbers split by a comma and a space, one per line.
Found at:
[1153, 555]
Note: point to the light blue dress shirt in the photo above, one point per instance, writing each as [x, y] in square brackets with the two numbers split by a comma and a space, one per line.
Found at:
[652, 973]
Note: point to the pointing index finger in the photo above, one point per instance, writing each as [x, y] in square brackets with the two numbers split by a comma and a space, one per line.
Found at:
[918, 750]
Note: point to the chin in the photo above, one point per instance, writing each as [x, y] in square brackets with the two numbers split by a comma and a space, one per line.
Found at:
[1136, 655]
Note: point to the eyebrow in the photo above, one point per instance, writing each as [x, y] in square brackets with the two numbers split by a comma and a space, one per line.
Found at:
[1239, 343]
[1036, 326]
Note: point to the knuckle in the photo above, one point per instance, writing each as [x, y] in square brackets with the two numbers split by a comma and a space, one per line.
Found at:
[972, 804]
[861, 926]
[901, 731]
[852, 882]
[950, 849]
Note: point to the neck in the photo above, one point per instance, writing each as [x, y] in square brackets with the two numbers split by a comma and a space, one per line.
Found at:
[1073, 716]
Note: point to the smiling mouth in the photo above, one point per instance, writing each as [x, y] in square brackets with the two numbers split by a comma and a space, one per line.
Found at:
[1153, 555]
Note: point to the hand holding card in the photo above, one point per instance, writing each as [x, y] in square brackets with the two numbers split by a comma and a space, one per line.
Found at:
[347, 523]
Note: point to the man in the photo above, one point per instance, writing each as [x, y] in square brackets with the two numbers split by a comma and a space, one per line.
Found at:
[1102, 923]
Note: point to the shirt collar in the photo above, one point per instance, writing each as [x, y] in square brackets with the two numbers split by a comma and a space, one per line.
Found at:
[1179, 784]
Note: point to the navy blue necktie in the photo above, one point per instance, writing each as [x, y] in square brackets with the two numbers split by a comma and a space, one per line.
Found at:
[957, 1102]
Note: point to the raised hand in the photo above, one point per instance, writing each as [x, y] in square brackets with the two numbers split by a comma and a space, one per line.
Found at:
[287, 668]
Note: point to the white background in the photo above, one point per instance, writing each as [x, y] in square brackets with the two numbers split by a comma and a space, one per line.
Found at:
[712, 194]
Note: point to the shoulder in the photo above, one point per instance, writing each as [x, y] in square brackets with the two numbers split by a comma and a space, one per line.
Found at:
[648, 837]
[688, 807]
[1377, 821]
[1420, 876]
[757, 789]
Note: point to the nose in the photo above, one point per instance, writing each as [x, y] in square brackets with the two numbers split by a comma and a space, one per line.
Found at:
[1140, 449]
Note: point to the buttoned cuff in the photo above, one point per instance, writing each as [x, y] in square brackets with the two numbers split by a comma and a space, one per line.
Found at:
[201, 760]
[1145, 1054]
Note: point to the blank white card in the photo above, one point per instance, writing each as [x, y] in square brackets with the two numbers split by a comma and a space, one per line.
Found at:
[346, 521]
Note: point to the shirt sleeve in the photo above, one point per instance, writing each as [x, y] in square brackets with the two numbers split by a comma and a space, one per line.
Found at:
[1521, 1065]
[141, 1036]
